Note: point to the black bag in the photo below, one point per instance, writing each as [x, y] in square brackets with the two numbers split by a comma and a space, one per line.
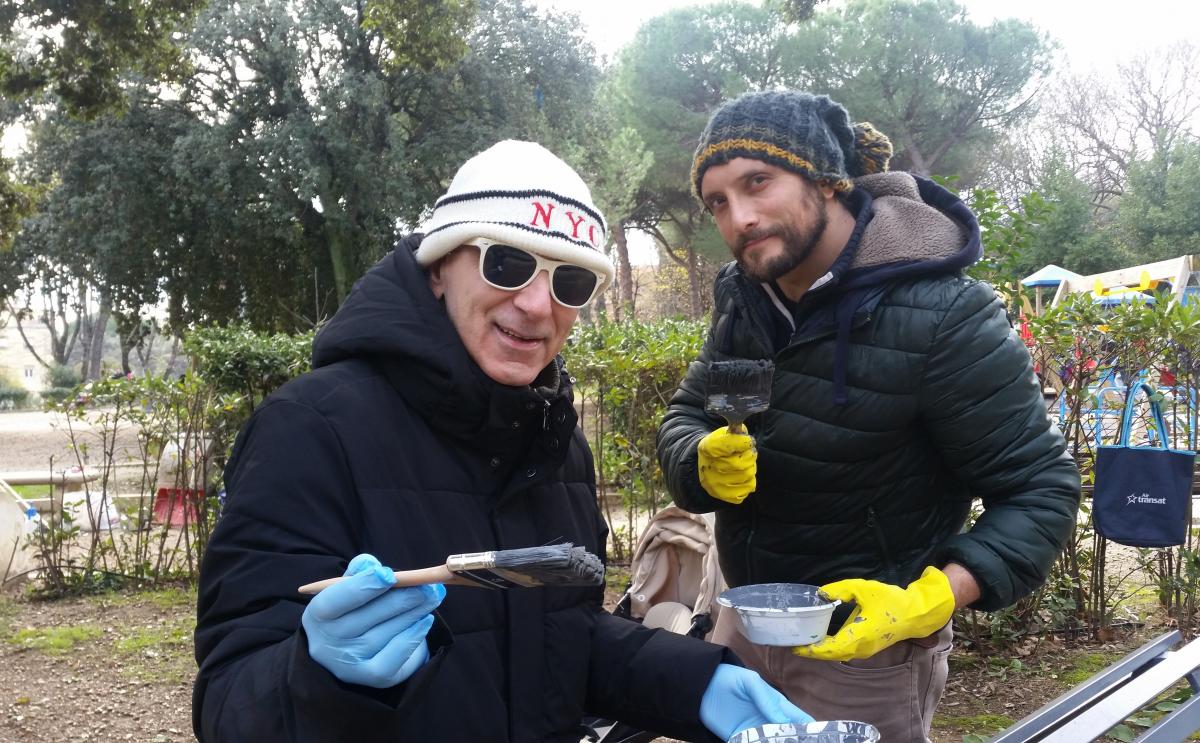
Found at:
[1143, 494]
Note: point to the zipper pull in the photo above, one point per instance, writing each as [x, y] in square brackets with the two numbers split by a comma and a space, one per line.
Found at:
[546, 415]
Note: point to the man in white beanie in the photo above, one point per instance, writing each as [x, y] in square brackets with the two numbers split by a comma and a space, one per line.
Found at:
[438, 420]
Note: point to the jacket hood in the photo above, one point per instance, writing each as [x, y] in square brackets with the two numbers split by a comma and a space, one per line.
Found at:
[915, 227]
[392, 319]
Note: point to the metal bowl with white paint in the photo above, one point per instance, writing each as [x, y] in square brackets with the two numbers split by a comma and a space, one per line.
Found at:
[780, 613]
[827, 731]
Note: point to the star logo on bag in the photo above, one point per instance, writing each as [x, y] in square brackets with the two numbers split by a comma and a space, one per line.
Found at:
[1132, 499]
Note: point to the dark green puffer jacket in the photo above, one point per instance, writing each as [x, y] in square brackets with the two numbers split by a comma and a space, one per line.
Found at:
[902, 394]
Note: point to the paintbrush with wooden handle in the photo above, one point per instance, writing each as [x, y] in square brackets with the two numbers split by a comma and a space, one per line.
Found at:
[553, 565]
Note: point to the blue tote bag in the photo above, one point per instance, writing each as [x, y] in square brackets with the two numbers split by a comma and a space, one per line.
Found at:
[1143, 494]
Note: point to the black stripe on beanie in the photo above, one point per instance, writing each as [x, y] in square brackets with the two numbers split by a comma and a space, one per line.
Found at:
[494, 194]
[520, 226]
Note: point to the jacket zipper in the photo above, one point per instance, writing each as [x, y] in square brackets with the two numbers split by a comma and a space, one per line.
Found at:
[889, 566]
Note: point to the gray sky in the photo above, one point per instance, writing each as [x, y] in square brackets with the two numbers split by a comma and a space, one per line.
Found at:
[1092, 32]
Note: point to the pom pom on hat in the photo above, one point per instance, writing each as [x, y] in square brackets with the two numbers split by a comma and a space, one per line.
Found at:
[807, 134]
[872, 151]
[521, 194]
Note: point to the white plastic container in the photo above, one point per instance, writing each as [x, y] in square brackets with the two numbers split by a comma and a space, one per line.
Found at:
[780, 613]
[830, 731]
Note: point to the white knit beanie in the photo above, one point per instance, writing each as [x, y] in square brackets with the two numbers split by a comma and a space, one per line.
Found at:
[520, 194]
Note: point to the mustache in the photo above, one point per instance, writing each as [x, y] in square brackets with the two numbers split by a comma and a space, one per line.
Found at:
[754, 235]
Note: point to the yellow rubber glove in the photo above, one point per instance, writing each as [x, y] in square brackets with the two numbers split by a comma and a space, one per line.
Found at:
[885, 615]
[728, 463]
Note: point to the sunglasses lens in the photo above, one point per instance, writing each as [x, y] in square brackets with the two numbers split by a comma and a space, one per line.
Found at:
[507, 267]
[573, 285]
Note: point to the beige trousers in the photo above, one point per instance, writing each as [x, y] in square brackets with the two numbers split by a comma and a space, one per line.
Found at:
[896, 690]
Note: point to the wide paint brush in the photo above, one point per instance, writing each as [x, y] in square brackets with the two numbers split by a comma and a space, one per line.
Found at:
[738, 389]
[553, 565]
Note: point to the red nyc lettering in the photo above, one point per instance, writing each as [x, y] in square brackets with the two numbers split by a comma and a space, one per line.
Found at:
[574, 223]
[542, 212]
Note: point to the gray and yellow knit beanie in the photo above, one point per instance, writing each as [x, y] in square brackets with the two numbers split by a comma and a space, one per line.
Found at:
[806, 134]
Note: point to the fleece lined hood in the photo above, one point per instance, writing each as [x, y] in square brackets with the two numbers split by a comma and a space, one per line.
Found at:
[915, 227]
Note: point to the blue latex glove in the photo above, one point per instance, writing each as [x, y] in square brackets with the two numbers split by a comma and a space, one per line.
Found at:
[737, 698]
[365, 632]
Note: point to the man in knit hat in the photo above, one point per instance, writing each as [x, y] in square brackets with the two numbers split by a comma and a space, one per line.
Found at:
[900, 394]
[438, 420]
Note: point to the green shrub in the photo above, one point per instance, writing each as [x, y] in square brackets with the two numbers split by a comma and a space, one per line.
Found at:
[239, 360]
[12, 393]
[62, 375]
[63, 382]
[626, 374]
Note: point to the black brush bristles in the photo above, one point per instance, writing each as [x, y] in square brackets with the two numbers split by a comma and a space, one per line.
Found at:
[552, 565]
[738, 389]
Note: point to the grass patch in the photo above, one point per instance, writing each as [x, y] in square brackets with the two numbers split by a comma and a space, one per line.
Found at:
[33, 491]
[8, 610]
[962, 661]
[151, 638]
[158, 655]
[54, 640]
[1084, 666]
[616, 579]
[171, 597]
[978, 724]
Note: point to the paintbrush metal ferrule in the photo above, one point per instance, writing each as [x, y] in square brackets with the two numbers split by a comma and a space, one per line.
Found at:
[472, 561]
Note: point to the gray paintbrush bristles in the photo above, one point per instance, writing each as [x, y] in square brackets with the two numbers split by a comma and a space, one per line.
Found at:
[556, 564]
[739, 388]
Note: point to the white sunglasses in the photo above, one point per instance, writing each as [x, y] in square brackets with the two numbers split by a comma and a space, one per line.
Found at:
[512, 269]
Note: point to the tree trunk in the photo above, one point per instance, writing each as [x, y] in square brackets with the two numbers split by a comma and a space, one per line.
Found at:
[176, 341]
[624, 273]
[144, 349]
[919, 165]
[337, 258]
[693, 282]
[94, 341]
[136, 339]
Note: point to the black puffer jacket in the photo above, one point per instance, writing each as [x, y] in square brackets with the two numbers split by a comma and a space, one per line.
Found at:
[901, 394]
[398, 445]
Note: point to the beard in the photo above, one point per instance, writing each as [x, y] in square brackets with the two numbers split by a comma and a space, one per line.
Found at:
[798, 244]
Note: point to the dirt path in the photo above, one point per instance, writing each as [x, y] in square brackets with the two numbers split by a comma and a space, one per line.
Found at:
[112, 668]
[28, 440]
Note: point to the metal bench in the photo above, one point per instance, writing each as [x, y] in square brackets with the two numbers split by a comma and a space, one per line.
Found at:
[1090, 709]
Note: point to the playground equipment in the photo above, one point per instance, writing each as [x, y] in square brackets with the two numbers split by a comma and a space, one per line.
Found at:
[1177, 277]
